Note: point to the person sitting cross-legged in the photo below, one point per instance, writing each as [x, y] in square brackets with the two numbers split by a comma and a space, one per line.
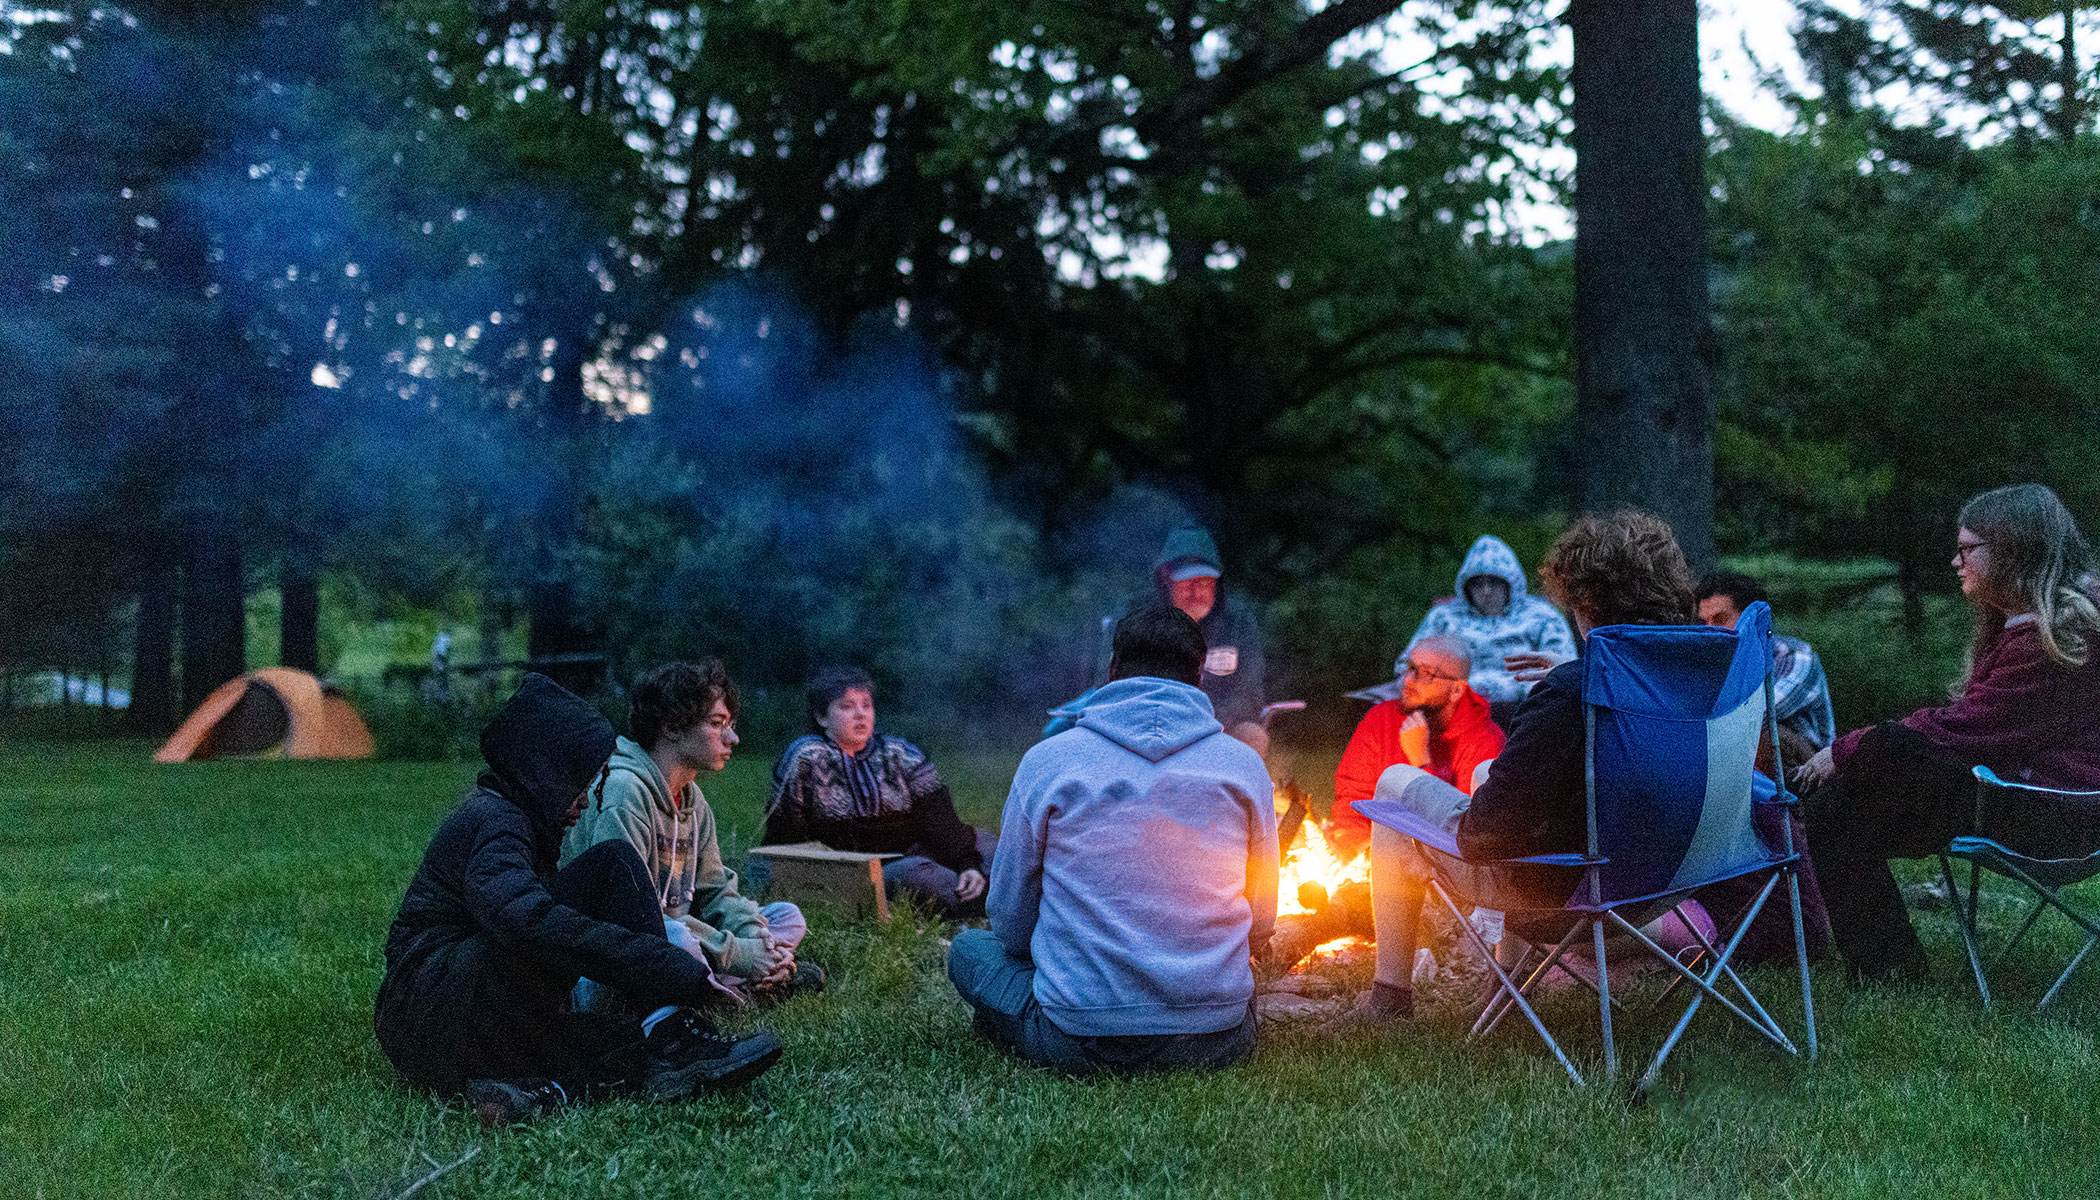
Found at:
[1621, 569]
[491, 938]
[853, 787]
[1136, 870]
[684, 721]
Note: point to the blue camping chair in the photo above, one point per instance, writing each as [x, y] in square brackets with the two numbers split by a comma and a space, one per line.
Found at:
[2058, 839]
[1672, 720]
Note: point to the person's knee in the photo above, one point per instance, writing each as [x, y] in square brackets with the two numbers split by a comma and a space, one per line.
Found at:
[971, 957]
[611, 860]
[786, 923]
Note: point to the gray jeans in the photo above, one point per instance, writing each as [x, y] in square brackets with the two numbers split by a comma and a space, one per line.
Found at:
[933, 885]
[1001, 990]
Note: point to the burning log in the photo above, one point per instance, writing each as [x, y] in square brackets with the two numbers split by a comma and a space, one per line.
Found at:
[1321, 897]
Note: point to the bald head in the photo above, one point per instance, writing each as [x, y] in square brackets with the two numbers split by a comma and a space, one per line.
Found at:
[1435, 678]
[1445, 654]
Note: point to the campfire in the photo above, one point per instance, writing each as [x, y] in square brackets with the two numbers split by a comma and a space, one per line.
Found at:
[1314, 924]
[1311, 873]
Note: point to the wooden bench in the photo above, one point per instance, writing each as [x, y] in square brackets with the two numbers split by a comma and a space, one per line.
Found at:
[813, 871]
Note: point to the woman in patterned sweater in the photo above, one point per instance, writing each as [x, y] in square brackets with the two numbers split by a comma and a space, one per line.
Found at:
[853, 788]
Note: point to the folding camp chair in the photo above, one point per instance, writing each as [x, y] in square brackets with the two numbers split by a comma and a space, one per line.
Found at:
[2058, 838]
[1672, 718]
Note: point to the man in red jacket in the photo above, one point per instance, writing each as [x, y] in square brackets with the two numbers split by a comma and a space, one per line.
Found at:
[1437, 723]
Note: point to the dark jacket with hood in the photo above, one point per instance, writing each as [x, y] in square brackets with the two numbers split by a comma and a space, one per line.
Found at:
[480, 958]
[1233, 666]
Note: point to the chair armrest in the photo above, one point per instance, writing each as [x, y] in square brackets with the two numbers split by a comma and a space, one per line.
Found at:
[1399, 819]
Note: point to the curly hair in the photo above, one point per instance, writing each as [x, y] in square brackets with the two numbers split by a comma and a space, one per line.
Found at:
[672, 697]
[1620, 568]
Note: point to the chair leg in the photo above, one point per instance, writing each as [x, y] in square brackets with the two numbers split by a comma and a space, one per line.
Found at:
[1808, 997]
[1501, 1005]
[2075, 960]
[1964, 919]
[1706, 989]
[1611, 1048]
[1721, 968]
[1502, 977]
[2033, 914]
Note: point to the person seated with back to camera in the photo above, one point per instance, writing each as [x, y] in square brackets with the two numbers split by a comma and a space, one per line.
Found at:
[684, 720]
[491, 938]
[2027, 707]
[1624, 568]
[852, 787]
[1513, 637]
[1135, 876]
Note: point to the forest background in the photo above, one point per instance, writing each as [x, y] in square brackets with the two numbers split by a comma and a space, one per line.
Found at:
[899, 332]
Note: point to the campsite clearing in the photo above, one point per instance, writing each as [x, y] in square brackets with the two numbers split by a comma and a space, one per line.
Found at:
[188, 955]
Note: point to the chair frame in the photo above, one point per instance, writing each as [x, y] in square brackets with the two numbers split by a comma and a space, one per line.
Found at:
[1983, 853]
[1593, 914]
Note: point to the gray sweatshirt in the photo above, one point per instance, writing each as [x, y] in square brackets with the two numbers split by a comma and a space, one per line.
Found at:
[675, 837]
[1137, 858]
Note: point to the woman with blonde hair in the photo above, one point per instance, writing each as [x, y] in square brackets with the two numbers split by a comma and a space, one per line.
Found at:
[2028, 707]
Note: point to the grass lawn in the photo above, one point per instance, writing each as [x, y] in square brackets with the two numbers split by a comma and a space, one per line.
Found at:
[188, 957]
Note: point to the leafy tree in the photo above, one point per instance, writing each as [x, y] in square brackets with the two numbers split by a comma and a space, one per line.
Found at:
[1907, 326]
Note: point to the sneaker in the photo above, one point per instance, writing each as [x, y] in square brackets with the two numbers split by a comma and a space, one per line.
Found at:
[687, 1052]
[497, 1103]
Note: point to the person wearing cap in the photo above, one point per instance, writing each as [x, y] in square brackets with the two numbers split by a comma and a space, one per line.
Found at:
[1189, 575]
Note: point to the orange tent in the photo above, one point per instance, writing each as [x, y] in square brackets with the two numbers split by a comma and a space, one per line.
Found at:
[276, 708]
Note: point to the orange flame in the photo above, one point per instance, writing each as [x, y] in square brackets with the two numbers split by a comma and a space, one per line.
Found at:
[1312, 860]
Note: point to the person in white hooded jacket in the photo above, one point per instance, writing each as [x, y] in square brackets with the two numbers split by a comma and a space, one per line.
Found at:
[1135, 876]
[684, 721]
[1515, 637]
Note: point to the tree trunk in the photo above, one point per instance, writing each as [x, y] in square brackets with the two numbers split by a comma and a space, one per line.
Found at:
[299, 622]
[153, 652]
[214, 612]
[1644, 340]
[2069, 112]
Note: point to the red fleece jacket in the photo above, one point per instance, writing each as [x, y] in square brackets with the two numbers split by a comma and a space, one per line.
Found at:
[1471, 738]
[2027, 718]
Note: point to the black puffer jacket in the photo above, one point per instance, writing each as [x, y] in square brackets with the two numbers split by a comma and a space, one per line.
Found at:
[480, 958]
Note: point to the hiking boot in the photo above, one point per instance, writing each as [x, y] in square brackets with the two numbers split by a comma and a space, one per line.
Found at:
[1381, 1007]
[687, 1052]
[498, 1103]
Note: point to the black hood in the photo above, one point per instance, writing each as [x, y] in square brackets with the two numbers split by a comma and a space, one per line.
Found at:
[544, 746]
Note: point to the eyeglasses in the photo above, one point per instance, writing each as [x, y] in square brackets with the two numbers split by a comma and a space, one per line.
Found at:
[1963, 549]
[1419, 673]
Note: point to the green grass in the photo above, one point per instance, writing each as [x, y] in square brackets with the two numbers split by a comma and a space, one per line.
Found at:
[188, 956]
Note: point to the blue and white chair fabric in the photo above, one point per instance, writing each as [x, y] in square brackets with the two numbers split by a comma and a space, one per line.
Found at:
[2044, 840]
[1672, 720]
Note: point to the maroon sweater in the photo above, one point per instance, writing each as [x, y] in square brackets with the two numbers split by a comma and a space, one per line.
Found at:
[2027, 718]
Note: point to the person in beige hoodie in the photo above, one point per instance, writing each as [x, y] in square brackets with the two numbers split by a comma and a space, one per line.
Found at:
[684, 720]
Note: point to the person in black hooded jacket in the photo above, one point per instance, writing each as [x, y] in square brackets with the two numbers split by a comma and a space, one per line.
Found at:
[490, 939]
